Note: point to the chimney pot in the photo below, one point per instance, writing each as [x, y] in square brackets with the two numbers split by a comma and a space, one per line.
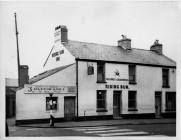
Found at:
[125, 42]
[157, 47]
[24, 77]
[61, 34]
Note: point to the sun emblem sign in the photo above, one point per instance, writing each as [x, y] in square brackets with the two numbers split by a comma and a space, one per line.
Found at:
[116, 73]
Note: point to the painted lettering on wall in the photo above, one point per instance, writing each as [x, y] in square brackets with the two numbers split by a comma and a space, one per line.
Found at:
[116, 86]
[116, 79]
[49, 89]
[57, 53]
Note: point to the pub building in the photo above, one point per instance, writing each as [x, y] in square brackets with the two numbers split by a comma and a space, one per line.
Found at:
[95, 81]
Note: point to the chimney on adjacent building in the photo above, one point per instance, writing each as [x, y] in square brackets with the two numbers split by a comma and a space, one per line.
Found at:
[157, 47]
[61, 34]
[24, 77]
[125, 43]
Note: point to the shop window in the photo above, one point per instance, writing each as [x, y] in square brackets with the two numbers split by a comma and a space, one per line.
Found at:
[170, 101]
[132, 74]
[51, 103]
[100, 72]
[101, 100]
[132, 105]
[165, 78]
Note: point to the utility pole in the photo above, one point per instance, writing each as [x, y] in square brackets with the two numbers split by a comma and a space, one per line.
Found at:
[18, 61]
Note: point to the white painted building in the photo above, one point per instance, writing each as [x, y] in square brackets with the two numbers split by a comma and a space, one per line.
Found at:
[96, 81]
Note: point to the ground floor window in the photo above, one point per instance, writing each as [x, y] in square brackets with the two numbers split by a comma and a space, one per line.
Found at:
[101, 100]
[170, 101]
[132, 104]
[51, 103]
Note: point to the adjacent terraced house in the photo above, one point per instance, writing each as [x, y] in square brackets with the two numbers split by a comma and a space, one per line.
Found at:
[95, 81]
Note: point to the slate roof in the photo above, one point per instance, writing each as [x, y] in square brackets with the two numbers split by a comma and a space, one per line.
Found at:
[94, 51]
[47, 73]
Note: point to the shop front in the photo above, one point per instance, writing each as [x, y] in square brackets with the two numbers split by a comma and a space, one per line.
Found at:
[37, 102]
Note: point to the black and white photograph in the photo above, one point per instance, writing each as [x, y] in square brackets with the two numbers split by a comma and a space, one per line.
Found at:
[90, 69]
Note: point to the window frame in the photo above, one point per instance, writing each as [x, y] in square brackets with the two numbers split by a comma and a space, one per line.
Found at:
[166, 101]
[105, 101]
[135, 94]
[165, 77]
[134, 74]
[103, 73]
[48, 108]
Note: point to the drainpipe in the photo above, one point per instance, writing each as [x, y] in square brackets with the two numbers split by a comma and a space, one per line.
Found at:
[77, 86]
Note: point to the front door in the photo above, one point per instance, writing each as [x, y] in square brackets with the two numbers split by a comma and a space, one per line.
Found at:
[116, 104]
[158, 104]
[69, 108]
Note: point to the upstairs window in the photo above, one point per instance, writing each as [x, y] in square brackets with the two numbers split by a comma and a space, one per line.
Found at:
[101, 100]
[100, 72]
[132, 74]
[165, 78]
[57, 58]
[132, 105]
[170, 101]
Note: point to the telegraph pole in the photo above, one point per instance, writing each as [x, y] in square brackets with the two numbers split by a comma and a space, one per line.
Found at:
[18, 61]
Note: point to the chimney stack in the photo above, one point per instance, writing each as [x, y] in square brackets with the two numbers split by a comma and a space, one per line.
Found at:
[157, 47]
[61, 34]
[125, 43]
[24, 78]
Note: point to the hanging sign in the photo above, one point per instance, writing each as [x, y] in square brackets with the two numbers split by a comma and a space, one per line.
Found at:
[42, 89]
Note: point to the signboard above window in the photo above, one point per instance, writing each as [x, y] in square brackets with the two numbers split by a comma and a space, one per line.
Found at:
[42, 89]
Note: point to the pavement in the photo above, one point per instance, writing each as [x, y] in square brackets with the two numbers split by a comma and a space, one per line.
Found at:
[117, 122]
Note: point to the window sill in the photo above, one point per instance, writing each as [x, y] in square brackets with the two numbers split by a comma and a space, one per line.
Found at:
[101, 82]
[164, 86]
[101, 110]
[132, 109]
[133, 82]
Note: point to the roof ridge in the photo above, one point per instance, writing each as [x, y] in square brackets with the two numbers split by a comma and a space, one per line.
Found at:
[92, 43]
[106, 45]
[54, 70]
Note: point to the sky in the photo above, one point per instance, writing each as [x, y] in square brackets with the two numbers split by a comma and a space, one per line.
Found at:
[91, 21]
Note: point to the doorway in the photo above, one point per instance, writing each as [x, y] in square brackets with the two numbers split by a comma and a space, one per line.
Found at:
[69, 108]
[117, 103]
[158, 104]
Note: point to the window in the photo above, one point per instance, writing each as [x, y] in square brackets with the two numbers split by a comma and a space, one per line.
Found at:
[165, 77]
[57, 58]
[100, 72]
[170, 101]
[51, 103]
[90, 70]
[132, 101]
[132, 74]
[101, 100]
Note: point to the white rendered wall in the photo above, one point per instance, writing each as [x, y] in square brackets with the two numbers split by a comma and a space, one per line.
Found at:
[33, 106]
[30, 106]
[149, 80]
[65, 58]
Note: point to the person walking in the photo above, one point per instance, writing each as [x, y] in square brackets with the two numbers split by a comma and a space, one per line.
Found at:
[51, 118]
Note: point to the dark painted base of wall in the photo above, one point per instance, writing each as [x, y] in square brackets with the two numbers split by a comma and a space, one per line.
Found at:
[93, 118]
[106, 117]
[37, 121]
[138, 116]
[169, 115]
